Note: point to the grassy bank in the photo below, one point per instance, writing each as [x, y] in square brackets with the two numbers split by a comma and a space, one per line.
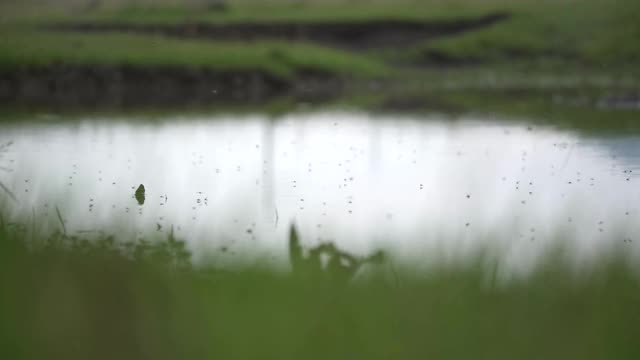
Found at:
[174, 12]
[25, 48]
[587, 34]
[67, 70]
[68, 298]
[588, 110]
[578, 33]
[582, 33]
[532, 39]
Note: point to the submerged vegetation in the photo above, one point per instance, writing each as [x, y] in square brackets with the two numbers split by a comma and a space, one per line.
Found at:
[64, 297]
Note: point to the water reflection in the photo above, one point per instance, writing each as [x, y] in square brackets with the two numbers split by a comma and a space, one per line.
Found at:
[4, 167]
[423, 187]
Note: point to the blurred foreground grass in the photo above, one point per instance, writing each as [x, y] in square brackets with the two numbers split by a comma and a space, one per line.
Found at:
[67, 298]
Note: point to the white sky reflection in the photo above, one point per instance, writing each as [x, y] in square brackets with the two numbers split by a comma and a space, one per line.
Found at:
[419, 186]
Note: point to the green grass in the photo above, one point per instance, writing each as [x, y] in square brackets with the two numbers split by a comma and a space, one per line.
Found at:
[572, 38]
[168, 12]
[578, 32]
[575, 109]
[539, 107]
[66, 298]
[282, 13]
[584, 34]
[24, 48]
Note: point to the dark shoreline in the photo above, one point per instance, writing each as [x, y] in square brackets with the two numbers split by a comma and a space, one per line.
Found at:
[125, 86]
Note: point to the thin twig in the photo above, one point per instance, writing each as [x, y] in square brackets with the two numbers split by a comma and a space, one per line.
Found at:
[64, 228]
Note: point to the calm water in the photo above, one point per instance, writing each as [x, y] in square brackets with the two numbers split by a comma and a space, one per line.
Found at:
[419, 186]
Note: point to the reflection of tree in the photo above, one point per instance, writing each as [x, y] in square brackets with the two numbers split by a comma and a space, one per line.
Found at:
[341, 267]
[4, 148]
[268, 159]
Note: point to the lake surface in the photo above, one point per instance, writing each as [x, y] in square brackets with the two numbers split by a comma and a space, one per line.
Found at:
[424, 187]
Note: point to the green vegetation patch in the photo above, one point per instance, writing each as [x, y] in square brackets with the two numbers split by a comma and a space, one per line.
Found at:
[24, 48]
[303, 11]
[584, 32]
[75, 299]
[590, 33]
[578, 110]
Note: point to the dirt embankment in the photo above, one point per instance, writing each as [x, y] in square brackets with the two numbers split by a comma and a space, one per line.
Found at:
[351, 35]
[130, 86]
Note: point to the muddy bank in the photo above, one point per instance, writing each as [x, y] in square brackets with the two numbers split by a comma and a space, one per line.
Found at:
[68, 86]
[352, 35]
